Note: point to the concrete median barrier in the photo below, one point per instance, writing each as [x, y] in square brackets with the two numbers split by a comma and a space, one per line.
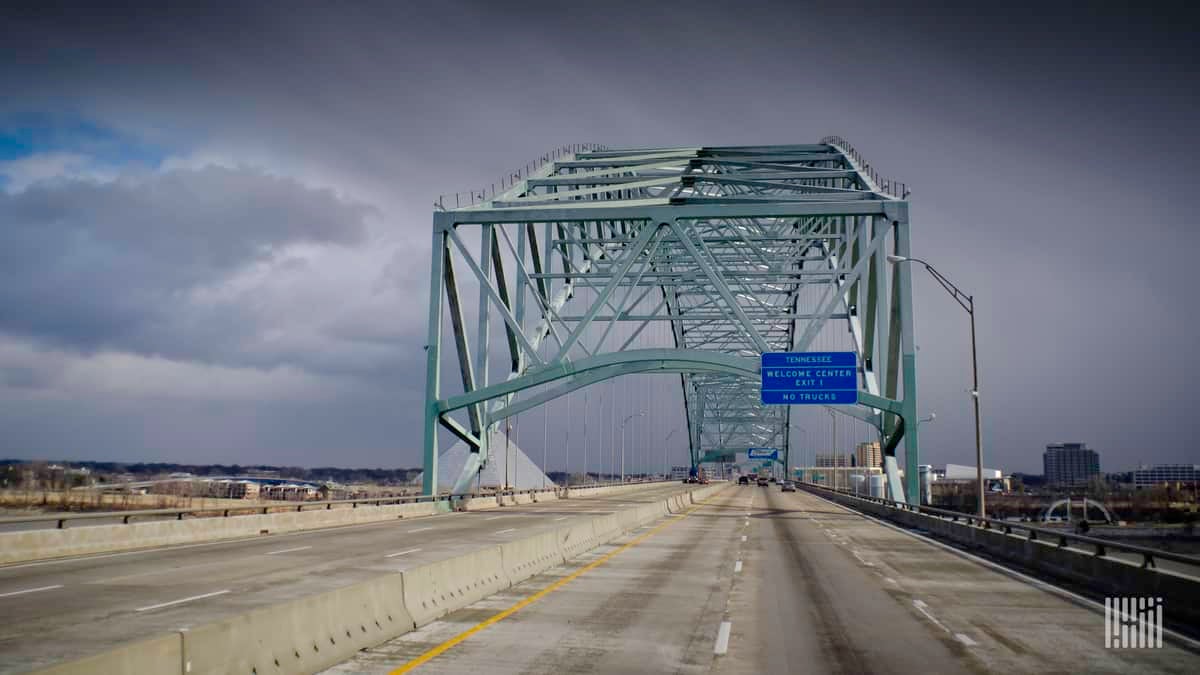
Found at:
[531, 555]
[628, 519]
[301, 636]
[434, 590]
[651, 512]
[607, 528]
[162, 654]
[415, 510]
[27, 545]
[478, 504]
[576, 539]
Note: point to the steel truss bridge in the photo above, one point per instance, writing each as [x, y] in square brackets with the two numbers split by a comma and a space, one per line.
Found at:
[551, 282]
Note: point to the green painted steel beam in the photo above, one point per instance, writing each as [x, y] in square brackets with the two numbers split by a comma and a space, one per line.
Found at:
[762, 246]
[664, 360]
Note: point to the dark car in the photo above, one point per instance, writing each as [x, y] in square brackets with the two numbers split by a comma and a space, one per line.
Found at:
[743, 480]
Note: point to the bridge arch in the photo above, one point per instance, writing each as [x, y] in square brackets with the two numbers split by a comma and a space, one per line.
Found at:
[737, 251]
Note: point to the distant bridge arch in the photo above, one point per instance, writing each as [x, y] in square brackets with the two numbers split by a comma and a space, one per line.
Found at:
[1049, 512]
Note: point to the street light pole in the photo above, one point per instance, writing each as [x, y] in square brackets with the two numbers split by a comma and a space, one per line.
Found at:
[623, 423]
[836, 456]
[802, 453]
[967, 302]
[666, 467]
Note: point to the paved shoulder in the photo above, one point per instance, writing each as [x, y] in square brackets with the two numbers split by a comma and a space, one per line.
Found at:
[843, 593]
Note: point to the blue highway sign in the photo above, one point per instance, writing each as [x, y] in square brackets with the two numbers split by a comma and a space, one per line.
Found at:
[812, 378]
[762, 453]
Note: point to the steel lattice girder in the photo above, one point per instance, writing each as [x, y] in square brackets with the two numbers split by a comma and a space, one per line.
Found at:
[741, 250]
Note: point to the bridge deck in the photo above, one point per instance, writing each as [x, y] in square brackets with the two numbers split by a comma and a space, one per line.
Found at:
[58, 610]
[819, 589]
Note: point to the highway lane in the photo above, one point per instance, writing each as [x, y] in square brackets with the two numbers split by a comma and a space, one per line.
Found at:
[760, 581]
[61, 609]
[653, 607]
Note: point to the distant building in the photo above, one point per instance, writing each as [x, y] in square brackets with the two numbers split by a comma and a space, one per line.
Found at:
[290, 492]
[244, 489]
[831, 459]
[868, 455]
[1070, 464]
[1149, 476]
[969, 472]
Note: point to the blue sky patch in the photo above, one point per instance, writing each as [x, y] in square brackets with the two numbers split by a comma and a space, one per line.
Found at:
[38, 133]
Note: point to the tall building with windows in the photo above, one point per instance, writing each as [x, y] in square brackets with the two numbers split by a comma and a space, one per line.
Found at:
[869, 455]
[833, 459]
[1159, 474]
[1068, 464]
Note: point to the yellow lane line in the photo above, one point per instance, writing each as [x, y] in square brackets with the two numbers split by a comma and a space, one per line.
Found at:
[442, 648]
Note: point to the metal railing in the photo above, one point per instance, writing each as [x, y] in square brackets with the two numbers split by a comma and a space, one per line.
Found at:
[260, 508]
[473, 197]
[886, 185]
[1100, 547]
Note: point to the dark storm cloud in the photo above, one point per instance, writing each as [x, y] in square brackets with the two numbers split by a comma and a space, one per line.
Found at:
[1051, 150]
[125, 265]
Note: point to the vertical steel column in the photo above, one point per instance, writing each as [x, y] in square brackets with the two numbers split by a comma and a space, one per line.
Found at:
[912, 458]
[484, 348]
[433, 352]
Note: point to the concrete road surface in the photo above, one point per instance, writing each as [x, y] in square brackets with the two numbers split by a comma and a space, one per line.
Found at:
[759, 581]
[58, 610]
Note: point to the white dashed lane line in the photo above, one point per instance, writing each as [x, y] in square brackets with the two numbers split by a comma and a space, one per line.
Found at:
[419, 529]
[30, 590]
[722, 644]
[393, 555]
[924, 609]
[181, 601]
[511, 529]
[289, 550]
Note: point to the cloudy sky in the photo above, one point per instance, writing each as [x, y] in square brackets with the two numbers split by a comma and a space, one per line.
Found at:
[214, 223]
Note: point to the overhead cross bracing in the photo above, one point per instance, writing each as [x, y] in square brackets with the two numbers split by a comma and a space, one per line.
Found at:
[723, 253]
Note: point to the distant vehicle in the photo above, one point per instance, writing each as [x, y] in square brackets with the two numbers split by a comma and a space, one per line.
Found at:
[788, 486]
[743, 480]
[762, 482]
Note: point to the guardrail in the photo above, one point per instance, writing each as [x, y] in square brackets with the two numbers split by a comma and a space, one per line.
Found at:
[886, 185]
[1100, 547]
[259, 508]
[473, 197]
